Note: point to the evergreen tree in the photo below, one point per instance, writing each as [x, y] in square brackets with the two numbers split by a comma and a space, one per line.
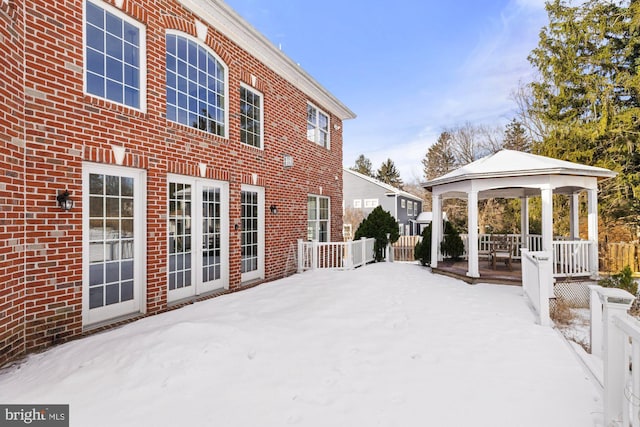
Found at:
[389, 174]
[588, 95]
[378, 224]
[440, 158]
[363, 166]
[515, 137]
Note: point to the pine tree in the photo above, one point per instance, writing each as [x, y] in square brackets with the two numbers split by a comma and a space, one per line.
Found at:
[378, 224]
[363, 166]
[440, 158]
[588, 95]
[515, 137]
[389, 174]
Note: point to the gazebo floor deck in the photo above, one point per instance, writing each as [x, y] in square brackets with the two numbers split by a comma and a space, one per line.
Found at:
[501, 275]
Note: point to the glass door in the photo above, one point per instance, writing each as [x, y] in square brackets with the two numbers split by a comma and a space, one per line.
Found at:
[113, 238]
[197, 236]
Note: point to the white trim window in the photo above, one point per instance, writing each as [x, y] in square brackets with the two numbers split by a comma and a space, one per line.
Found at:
[317, 126]
[114, 55]
[196, 85]
[357, 203]
[251, 117]
[371, 203]
[198, 236]
[409, 208]
[252, 235]
[114, 236]
[403, 204]
[318, 210]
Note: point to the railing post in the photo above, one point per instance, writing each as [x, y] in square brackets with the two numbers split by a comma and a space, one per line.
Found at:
[300, 256]
[545, 283]
[389, 257]
[364, 250]
[314, 254]
[349, 255]
[616, 302]
[595, 309]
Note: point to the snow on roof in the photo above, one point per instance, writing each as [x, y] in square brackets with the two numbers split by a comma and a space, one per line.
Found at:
[389, 188]
[510, 163]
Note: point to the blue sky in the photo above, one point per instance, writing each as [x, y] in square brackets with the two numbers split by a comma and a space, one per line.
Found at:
[407, 68]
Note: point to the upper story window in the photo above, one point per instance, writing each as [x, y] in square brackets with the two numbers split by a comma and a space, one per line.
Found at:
[196, 86]
[317, 126]
[357, 203]
[402, 203]
[114, 55]
[409, 208]
[370, 203]
[250, 117]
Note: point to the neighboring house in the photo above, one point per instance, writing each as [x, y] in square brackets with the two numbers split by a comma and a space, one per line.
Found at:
[362, 194]
[191, 152]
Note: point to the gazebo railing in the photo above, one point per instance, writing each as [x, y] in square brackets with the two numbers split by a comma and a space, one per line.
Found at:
[570, 257]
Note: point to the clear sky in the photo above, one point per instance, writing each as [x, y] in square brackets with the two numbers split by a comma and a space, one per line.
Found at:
[407, 68]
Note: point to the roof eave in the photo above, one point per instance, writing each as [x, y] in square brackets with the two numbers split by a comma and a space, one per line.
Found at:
[222, 17]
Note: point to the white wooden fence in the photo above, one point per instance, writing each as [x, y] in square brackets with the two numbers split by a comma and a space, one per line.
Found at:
[335, 255]
[537, 282]
[615, 336]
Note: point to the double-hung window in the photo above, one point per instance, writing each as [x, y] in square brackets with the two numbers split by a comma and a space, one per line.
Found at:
[318, 218]
[317, 126]
[196, 86]
[250, 117]
[114, 55]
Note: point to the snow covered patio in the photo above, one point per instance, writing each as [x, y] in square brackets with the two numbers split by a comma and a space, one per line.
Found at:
[384, 345]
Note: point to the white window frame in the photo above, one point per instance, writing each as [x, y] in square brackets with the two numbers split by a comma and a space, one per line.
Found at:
[197, 286]
[357, 203]
[314, 134]
[257, 274]
[409, 208]
[226, 81]
[261, 106]
[317, 220]
[403, 203]
[138, 303]
[371, 203]
[142, 59]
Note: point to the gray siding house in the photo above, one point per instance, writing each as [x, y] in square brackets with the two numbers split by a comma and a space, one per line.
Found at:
[361, 194]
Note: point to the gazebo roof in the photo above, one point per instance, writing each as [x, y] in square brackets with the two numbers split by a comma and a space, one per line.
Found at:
[510, 163]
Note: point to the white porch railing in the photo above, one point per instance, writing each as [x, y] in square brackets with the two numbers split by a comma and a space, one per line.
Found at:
[570, 257]
[537, 282]
[615, 336]
[334, 255]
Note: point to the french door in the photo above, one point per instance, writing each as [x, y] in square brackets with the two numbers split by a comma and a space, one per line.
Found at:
[198, 236]
[252, 236]
[114, 229]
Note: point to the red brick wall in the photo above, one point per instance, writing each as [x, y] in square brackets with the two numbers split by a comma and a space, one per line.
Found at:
[12, 160]
[63, 127]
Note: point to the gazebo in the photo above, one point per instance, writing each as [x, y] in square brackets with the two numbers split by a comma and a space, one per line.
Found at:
[514, 174]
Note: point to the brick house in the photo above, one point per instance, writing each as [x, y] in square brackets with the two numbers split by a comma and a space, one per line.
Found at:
[193, 152]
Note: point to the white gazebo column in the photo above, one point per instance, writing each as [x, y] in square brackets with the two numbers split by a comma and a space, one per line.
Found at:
[575, 216]
[592, 230]
[524, 222]
[472, 247]
[546, 195]
[436, 228]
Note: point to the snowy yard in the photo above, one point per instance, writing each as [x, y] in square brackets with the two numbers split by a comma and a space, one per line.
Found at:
[383, 345]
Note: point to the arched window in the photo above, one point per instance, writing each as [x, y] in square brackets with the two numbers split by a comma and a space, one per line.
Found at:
[196, 86]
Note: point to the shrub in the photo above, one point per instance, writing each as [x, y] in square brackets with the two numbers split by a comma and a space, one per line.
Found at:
[378, 224]
[623, 280]
[422, 251]
[452, 246]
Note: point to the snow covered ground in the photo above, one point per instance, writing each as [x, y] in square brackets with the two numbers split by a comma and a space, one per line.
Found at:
[383, 345]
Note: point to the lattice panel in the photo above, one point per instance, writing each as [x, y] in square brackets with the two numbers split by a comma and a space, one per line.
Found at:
[574, 293]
